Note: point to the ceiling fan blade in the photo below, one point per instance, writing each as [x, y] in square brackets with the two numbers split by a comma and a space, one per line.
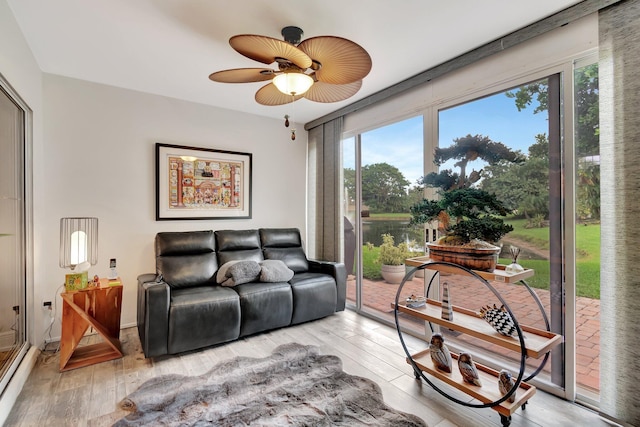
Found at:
[342, 61]
[270, 95]
[243, 75]
[326, 92]
[266, 50]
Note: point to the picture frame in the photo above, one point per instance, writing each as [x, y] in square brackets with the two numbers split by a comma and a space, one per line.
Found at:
[196, 183]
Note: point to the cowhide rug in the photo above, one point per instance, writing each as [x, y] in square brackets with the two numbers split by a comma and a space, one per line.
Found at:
[294, 386]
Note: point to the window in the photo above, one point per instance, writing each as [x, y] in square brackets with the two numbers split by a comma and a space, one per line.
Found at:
[380, 184]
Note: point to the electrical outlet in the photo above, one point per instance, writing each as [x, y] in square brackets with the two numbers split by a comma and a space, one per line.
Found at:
[47, 305]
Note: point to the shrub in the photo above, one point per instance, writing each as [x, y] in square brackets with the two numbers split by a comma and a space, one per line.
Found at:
[390, 254]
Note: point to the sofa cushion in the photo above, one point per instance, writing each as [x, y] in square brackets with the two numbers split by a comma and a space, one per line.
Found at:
[274, 270]
[314, 296]
[202, 316]
[264, 306]
[294, 258]
[238, 272]
[238, 245]
[280, 237]
[172, 243]
[185, 259]
[284, 244]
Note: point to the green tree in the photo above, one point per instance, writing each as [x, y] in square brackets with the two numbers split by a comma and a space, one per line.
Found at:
[588, 203]
[523, 187]
[540, 148]
[416, 193]
[587, 106]
[384, 188]
[587, 112]
[349, 182]
[587, 130]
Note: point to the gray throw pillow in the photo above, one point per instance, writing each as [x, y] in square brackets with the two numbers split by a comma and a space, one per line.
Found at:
[221, 275]
[240, 272]
[274, 270]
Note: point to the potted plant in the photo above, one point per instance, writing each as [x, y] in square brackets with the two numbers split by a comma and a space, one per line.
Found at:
[469, 218]
[392, 258]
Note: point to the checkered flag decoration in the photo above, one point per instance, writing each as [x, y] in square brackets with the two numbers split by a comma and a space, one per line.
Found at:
[500, 319]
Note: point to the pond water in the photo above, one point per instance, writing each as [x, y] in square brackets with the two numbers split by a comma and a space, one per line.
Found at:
[372, 231]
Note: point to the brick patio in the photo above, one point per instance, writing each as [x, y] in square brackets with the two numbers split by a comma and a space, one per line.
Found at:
[378, 296]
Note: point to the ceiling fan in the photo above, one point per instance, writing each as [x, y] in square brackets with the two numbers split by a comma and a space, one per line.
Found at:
[320, 69]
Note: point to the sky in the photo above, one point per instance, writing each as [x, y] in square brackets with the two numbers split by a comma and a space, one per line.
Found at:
[496, 117]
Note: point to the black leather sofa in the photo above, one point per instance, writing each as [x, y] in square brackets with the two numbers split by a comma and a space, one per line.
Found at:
[181, 307]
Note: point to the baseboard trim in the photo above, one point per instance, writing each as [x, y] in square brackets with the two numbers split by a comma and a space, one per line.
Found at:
[10, 394]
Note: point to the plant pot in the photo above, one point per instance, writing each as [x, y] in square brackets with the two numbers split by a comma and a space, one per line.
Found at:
[483, 259]
[393, 273]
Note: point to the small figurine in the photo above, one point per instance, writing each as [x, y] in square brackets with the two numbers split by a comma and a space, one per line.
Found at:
[440, 353]
[506, 383]
[95, 282]
[414, 301]
[468, 369]
[500, 319]
[447, 310]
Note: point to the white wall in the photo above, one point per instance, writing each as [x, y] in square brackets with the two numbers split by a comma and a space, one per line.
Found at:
[99, 151]
[17, 63]
[20, 69]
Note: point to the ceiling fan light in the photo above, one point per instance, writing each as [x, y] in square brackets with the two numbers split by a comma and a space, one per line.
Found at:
[293, 83]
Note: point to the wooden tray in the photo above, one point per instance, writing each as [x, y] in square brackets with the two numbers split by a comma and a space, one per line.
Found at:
[486, 393]
[498, 275]
[537, 341]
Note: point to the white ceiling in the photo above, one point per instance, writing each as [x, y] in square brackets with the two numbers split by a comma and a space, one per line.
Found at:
[169, 47]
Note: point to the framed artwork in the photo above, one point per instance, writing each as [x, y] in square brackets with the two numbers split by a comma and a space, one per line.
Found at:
[202, 183]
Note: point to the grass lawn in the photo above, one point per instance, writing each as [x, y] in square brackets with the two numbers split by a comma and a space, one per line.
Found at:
[587, 263]
[371, 269]
[387, 216]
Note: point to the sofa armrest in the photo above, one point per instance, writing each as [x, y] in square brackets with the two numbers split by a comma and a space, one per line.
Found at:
[153, 315]
[338, 271]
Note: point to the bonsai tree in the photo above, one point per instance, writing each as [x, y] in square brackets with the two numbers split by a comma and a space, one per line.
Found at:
[464, 212]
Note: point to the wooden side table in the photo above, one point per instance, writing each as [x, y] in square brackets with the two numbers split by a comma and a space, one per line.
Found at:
[99, 307]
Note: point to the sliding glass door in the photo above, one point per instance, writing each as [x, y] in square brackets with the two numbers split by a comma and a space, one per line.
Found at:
[587, 227]
[524, 120]
[552, 195]
[12, 235]
[381, 170]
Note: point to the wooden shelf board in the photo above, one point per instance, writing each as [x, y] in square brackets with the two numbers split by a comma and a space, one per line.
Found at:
[487, 393]
[90, 354]
[498, 275]
[537, 341]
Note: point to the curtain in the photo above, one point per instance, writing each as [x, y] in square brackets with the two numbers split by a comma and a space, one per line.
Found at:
[325, 168]
[619, 32]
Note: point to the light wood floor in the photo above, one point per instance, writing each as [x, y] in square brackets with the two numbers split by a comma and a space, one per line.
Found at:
[367, 348]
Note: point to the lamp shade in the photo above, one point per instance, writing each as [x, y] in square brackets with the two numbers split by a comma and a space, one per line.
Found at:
[293, 83]
[78, 241]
